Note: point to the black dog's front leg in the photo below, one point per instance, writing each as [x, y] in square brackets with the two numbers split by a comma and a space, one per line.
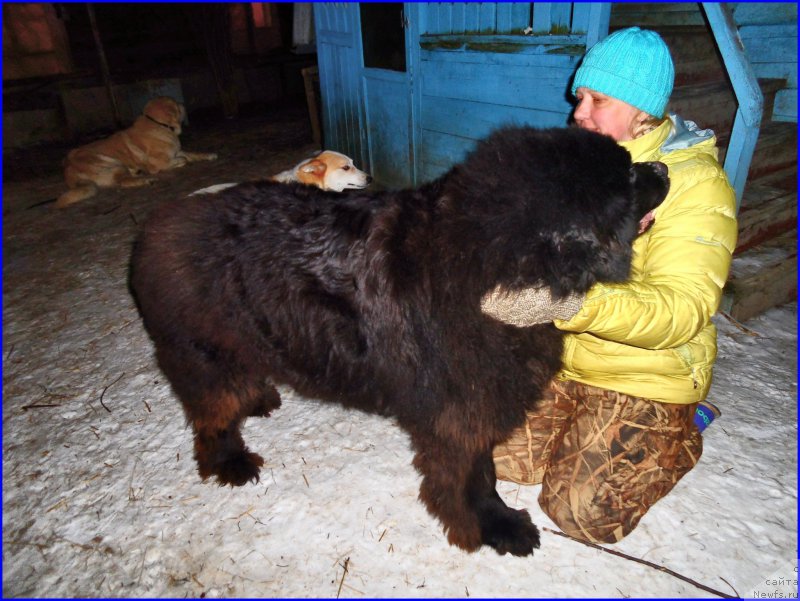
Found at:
[505, 529]
[458, 487]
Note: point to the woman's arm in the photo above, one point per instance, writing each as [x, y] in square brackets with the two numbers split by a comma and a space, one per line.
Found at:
[687, 258]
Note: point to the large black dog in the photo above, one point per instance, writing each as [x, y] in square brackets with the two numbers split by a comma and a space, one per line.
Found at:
[372, 300]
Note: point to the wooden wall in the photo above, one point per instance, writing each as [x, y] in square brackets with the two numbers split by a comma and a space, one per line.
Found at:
[485, 65]
[466, 94]
[34, 41]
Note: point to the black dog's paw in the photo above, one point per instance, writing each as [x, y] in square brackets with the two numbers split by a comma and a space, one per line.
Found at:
[509, 531]
[238, 469]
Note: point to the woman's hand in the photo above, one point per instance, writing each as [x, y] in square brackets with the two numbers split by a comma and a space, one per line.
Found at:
[529, 306]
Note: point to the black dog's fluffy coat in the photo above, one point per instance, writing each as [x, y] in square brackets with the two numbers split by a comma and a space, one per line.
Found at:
[372, 300]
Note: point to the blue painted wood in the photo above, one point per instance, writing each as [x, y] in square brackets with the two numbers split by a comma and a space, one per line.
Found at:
[787, 71]
[388, 117]
[499, 44]
[511, 86]
[464, 78]
[534, 57]
[475, 120]
[506, 17]
[748, 94]
[339, 57]
[750, 13]
[513, 17]
[439, 152]
[785, 108]
[592, 19]
[471, 17]
[552, 17]
[770, 43]
[459, 12]
[487, 17]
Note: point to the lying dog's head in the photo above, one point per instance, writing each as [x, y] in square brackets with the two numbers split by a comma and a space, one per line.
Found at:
[329, 170]
[165, 111]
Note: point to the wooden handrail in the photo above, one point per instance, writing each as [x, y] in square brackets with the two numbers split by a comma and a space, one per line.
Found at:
[747, 123]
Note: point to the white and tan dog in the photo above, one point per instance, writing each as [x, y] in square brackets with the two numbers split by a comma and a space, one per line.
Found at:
[329, 170]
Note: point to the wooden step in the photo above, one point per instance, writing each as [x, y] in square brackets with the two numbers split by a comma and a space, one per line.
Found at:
[695, 54]
[776, 149]
[775, 155]
[784, 178]
[766, 212]
[762, 278]
[713, 105]
[710, 105]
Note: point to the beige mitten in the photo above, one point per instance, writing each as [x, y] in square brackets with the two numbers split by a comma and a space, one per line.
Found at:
[529, 306]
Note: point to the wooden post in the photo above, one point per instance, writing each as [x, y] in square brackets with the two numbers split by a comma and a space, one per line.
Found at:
[104, 65]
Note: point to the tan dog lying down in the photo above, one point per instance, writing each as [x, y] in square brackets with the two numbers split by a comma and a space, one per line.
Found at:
[329, 170]
[127, 157]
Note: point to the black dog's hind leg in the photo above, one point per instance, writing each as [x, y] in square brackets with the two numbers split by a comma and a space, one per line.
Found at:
[269, 400]
[458, 487]
[218, 393]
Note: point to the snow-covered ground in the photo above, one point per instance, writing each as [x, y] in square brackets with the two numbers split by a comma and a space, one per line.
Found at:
[101, 497]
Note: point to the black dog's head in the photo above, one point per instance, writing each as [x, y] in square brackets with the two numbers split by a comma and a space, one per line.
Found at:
[555, 206]
[599, 249]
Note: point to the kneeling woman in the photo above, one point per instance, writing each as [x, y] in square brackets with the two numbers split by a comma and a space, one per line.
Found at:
[615, 430]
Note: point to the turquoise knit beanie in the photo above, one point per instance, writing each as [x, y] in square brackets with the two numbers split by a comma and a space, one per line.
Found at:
[632, 65]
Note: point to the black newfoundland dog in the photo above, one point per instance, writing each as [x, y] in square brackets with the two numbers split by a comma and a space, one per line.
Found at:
[372, 300]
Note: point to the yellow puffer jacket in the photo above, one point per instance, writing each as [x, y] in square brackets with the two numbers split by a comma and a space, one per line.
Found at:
[652, 336]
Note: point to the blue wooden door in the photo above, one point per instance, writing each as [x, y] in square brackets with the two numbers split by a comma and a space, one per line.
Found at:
[340, 66]
[366, 82]
[387, 32]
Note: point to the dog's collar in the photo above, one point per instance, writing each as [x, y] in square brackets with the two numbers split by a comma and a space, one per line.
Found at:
[169, 127]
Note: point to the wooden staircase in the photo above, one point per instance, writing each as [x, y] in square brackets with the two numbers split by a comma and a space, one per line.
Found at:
[764, 269]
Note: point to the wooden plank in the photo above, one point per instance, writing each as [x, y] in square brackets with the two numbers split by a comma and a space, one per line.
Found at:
[787, 71]
[471, 17]
[438, 152]
[786, 105]
[512, 17]
[571, 45]
[523, 59]
[487, 17]
[762, 278]
[592, 19]
[710, 105]
[765, 213]
[646, 14]
[770, 43]
[512, 85]
[776, 149]
[475, 120]
[750, 13]
[458, 13]
[551, 17]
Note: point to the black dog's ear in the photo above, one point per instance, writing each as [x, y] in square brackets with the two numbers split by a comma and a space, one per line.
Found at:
[650, 183]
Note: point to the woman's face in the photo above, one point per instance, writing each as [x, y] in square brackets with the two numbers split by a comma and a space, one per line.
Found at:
[606, 115]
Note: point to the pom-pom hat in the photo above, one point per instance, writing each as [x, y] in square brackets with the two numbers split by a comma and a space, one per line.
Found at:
[632, 65]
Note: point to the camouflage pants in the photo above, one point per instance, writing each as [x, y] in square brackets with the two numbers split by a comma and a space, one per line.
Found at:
[603, 457]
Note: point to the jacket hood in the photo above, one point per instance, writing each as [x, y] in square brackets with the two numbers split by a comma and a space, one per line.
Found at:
[684, 134]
